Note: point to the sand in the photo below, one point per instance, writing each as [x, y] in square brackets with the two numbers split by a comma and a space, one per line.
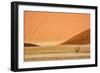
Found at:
[59, 52]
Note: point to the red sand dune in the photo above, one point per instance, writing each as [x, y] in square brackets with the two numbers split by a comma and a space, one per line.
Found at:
[81, 38]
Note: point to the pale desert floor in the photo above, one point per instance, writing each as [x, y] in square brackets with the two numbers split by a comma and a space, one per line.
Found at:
[59, 52]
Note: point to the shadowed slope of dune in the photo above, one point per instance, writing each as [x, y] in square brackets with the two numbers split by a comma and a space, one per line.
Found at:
[30, 45]
[81, 38]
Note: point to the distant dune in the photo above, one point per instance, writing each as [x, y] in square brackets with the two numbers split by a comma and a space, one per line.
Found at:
[81, 38]
[30, 45]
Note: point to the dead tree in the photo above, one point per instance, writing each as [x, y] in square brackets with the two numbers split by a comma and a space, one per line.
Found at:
[77, 49]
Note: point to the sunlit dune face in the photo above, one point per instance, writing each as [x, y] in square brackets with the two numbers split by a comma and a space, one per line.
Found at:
[47, 28]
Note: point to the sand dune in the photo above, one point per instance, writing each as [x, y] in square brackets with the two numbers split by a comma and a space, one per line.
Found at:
[82, 38]
[78, 47]
[30, 45]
